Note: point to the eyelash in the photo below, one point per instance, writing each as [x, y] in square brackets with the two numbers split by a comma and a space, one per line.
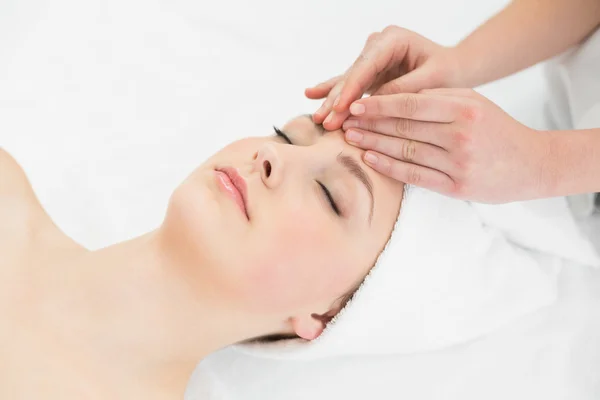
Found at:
[282, 135]
[334, 206]
[326, 191]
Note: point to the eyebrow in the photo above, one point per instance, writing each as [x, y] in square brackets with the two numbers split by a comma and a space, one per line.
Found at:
[352, 166]
[356, 170]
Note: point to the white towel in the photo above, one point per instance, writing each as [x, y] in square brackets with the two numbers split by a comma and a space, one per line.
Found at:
[451, 272]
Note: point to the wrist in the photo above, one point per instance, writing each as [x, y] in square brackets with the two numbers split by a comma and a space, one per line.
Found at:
[458, 69]
[550, 149]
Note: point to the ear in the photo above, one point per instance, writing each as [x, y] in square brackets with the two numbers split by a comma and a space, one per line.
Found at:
[310, 327]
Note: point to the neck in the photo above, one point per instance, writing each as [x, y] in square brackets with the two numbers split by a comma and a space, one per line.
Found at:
[133, 316]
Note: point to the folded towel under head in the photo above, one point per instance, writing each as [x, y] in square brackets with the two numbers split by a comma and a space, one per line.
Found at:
[450, 273]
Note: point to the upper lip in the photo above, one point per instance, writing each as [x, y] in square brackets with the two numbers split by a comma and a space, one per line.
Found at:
[240, 185]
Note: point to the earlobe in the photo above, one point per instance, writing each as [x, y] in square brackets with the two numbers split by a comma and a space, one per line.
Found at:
[309, 327]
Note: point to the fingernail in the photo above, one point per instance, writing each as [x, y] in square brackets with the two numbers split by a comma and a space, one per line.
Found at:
[357, 108]
[354, 136]
[337, 101]
[371, 158]
[329, 118]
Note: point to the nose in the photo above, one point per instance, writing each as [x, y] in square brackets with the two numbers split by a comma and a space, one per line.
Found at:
[269, 163]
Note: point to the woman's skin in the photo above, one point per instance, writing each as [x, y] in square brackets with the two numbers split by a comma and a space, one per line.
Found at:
[131, 321]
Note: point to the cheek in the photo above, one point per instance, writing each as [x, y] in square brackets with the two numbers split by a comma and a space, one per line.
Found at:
[298, 267]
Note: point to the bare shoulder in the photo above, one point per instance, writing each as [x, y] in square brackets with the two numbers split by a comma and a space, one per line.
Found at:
[12, 177]
[22, 215]
[16, 193]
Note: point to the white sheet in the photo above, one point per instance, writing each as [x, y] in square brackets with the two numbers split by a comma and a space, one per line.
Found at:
[109, 105]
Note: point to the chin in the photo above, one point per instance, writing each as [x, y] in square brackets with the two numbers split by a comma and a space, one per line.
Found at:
[199, 228]
[192, 212]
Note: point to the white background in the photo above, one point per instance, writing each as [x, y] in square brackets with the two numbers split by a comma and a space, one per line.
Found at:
[109, 105]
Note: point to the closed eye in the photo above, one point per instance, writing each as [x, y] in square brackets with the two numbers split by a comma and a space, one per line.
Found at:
[282, 135]
[329, 197]
[326, 191]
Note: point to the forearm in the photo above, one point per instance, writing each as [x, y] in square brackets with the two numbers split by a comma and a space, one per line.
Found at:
[524, 33]
[573, 162]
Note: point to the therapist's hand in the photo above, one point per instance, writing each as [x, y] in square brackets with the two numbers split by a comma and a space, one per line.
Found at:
[453, 141]
[395, 60]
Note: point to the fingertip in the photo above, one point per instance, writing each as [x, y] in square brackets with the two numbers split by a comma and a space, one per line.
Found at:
[313, 93]
[357, 108]
[371, 158]
[319, 116]
[330, 123]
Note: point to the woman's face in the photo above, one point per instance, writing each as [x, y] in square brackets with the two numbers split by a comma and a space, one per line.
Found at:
[304, 231]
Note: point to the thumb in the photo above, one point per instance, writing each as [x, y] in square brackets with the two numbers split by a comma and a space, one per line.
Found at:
[418, 79]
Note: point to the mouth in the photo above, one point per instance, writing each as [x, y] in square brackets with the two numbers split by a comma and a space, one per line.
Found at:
[235, 186]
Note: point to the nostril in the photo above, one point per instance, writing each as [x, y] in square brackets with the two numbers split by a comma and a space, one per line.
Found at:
[267, 167]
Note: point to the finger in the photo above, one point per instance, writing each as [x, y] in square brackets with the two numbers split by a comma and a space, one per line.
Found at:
[437, 134]
[335, 120]
[324, 111]
[322, 89]
[411, 174]
[407, 150]
[412, 82]
[416, 106]
[382, 52]
[326, 108]
[458, 92]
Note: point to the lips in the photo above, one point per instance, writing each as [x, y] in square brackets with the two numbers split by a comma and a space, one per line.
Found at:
[235, 186]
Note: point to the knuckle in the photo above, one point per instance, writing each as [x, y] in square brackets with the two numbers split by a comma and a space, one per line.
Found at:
[471, 113]
[463, 166]
[462, 139]
[362, 57]
[373, 36]
[459, 189]
[408, 150]
[391, 88]
[370, 125]
[386, 167]
[392, 29]
[413, 175]
[409, 106]
[403, 126]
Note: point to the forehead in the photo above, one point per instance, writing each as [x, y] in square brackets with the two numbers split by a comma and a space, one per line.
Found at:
[387, 192]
